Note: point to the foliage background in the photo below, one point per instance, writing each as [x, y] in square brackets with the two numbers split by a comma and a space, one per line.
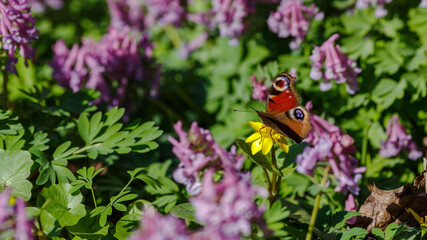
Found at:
[214, 81]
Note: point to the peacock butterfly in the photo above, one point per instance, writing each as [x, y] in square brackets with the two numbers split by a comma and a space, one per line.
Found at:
[283, 110]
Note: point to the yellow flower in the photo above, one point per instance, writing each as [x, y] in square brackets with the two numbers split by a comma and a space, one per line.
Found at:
[264, 138]
[421, 220]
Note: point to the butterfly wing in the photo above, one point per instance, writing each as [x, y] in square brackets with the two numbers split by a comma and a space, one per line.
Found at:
[294, 123]
[283, 110]
[282, 95]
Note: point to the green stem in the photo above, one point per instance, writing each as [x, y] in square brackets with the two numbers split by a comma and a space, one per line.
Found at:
[93, 197]
[173, 36]
[124, 188]
[316, 205]
[274, 189]
[5, 91]
[86, 148]
[365, 146]
[268, 181]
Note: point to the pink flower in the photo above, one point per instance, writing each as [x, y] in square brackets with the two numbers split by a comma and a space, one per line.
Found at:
[423, 4]
[13, 218]
[337, 66]
[379, 11]
[229, 16]
[330, 144]
[39, 6]
[157, 227]
[118, 57]
[260, 91]
[292, 18]
[398, 140]
[195, 44]
[227, 208]
[198, 150]
[350, 206]
[18, 31]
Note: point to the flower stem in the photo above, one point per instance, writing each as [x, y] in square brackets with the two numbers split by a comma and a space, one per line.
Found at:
[316, 205]
[5, 91]
[274, 188]
[93, 197]
[173, 36]
[365, 146]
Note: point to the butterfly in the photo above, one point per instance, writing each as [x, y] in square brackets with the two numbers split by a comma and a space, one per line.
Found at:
[283, 110]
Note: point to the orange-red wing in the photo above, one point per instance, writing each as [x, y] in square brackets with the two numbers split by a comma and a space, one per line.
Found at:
[283, 102]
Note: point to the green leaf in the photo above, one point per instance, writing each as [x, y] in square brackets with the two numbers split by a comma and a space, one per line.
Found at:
[289, 164]
[88, 228]
[392, 230]
[258, 158]
[339, 219]
[59, 207]
[184, 211]
[390, 28]
[120, 207]
[15, 168]
[378, 233]
[357, 48]
[125, 225]
[83, 127]
[418, 23]
[360, 233]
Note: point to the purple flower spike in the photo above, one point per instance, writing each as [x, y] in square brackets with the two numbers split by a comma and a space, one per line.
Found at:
[18, 31]
[13, 217]
[39, 6]
[337, 66]
[155, 226]
[260, 91]
[423, 4]
[139, 15]
[380, 11]
[227, 208]
[23, 226]
[292, 18]
[197, 150]
[350, 206]
[117, 57]
[229, 16]
[330, 144]
[398, 140]
[187, 48]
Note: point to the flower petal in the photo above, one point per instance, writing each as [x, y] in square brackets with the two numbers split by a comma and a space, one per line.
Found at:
[267, 143]
[283, 146]
[256, 125]
[256, 146]
[253, 137]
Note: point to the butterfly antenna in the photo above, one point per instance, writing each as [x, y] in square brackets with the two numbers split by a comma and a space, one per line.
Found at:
[234, 110]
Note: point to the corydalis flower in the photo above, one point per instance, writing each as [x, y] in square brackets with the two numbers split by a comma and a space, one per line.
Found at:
[193, 45]
[379, 11]
[350, 206]
[13, 217]
[292, 18]
[398, 140]
[330, 144]
[229, 16]
[116, 58]
[423, 4]
[39, 6]
[227, 207]
[140, 15]
[155, 226]
[264, 138]
[17, 30]
[337, 66]
[260, 91]
[197, 150]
